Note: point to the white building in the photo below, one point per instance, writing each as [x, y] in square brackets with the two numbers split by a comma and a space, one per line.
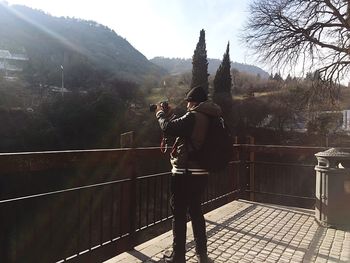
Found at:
[11, 63]
[346, 120]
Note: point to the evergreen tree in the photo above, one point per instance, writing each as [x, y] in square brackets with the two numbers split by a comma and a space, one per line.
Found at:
[200, 64]
[289, 79]
[277, 77]
[223, 79]
[222, 86]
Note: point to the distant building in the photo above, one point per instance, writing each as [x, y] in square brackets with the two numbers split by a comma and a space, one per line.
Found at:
[346, 120]
[55, 89]
[11, 64]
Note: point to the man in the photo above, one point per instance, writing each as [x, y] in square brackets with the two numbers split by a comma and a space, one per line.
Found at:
[188, 180]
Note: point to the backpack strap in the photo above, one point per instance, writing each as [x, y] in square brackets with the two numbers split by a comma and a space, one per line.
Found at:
[200, 129]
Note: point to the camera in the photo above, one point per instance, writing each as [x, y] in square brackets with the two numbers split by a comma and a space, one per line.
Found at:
[163, 104]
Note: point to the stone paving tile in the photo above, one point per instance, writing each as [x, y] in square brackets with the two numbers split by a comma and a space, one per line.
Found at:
[245, 231]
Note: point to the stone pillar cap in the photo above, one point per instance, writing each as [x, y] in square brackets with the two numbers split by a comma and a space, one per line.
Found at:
[338, 153]
[334, 158]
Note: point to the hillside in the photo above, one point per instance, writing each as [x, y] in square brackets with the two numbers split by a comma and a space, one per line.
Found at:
[178, 66]
[78, 45]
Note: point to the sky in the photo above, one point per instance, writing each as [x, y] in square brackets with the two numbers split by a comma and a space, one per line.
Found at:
[168, 28]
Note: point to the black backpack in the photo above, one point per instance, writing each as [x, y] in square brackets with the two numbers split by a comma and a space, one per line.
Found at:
[217, 149]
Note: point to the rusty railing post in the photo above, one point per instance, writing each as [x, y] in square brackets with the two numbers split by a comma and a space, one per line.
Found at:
[251, 141]
[243, 179]
[132, 198]
[234, 169]
[127, 141]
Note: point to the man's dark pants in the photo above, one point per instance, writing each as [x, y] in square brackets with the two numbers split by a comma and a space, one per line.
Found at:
[186, 192]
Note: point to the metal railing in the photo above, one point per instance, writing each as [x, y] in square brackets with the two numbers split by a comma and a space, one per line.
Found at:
[88, 206]
[280, 174]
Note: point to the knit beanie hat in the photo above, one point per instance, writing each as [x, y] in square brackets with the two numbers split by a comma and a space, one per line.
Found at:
[196, 94]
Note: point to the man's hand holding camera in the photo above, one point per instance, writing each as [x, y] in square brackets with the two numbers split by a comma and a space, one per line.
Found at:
[159, 108]
[162, 109]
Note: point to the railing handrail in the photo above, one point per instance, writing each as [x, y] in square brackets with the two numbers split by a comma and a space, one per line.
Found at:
[281, 148]
[36, 161]
[102, 150]
[108, 150]
[63, 191]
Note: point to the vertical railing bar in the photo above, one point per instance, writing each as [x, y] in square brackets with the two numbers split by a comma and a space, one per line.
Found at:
[227, 182]
[140, 205]
[218, 189]
[155, 200]
[53, 253]
[121, 211]
[65, 215]
[228, 179]
[231, 183]
[207, 193]
[37, 230]
[251, 170]
[35, 227]
[3, 230]
[168, 195]
[161, 197]
[235, 167]
[16, 232]
[101, 213]
[233, 178]
[79, 220]
[222, 184]
[214, 191]
[147, 203]
[132, 199]
[112, 212]
[90, 220]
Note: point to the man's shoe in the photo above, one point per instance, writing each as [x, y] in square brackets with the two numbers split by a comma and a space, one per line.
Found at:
[202, 258]
[170, 257]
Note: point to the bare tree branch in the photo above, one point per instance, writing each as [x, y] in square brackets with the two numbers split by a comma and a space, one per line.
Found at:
[314, 33]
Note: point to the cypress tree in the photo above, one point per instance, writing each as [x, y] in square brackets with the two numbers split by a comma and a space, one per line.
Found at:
[222, 86]
[200, 64]
[223, 79]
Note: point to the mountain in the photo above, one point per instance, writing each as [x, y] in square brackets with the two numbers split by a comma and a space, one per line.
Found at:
[178, 66]
[81, 46]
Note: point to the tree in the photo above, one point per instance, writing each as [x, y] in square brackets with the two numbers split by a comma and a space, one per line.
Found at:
[286, 108]
[223, 79]
[325, 124]
[293, 32]
[250, 112]
[277, 77]
[289, 79]
[222, 84]
[200, 64]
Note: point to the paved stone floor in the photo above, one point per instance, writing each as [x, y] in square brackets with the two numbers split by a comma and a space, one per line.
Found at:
[244, 231]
